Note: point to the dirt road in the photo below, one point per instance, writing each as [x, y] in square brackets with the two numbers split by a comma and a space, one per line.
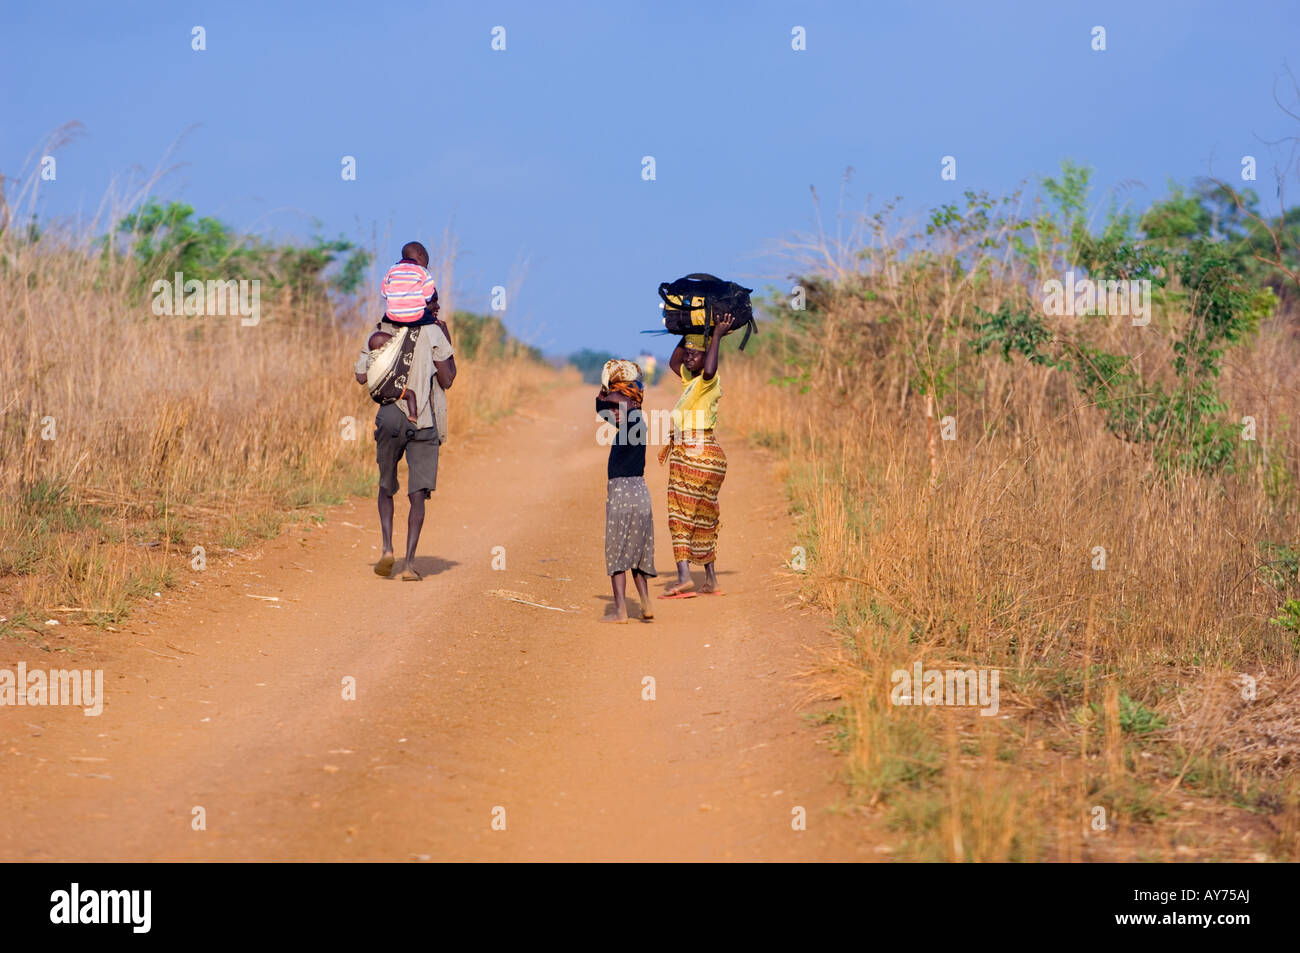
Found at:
[468, 706]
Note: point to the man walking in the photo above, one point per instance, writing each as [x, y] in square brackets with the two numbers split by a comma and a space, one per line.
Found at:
[432, 370]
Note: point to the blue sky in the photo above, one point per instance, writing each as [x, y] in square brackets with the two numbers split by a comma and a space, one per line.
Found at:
[533, 155]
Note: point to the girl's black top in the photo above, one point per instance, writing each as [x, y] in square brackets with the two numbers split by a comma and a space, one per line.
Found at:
[627, 452]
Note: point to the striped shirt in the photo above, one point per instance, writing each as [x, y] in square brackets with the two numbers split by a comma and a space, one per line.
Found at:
[406, 288]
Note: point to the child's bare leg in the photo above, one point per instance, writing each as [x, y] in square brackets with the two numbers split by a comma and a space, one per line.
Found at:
[412, 409]
[643, 590]
[619, 583]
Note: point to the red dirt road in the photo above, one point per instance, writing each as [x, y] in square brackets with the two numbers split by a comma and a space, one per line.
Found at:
[466, 702]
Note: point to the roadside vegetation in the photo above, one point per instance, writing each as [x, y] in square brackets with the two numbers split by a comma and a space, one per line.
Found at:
[1100, 508]
[134, 444]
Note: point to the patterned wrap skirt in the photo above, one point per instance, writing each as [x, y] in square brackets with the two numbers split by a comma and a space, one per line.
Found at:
[629, 527]
[696, 469]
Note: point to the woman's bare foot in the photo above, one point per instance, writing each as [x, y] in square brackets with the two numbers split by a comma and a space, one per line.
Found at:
[684, 583]
[385, 565]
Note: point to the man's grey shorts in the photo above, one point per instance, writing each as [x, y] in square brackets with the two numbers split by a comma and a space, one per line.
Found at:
[395, 436]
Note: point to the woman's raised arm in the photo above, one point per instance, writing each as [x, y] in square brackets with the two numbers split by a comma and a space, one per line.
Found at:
[722, 326]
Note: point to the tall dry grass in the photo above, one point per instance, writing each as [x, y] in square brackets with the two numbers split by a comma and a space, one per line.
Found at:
[126, 439]
[1122, 688]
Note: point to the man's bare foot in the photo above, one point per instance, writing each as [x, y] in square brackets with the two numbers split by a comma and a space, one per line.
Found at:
[410, 574]
[385, 565]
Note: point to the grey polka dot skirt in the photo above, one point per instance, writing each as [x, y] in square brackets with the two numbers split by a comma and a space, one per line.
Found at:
[629, 527]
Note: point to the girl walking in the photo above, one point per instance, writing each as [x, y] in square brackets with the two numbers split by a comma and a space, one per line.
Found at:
[629, 522]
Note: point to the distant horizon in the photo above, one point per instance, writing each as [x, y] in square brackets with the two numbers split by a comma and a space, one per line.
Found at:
[660, 344]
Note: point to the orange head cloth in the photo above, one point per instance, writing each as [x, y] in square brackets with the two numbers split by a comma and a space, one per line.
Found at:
[632, 390]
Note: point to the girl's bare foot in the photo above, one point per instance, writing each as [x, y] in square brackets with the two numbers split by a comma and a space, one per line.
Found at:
[643, 590]
[680, 587]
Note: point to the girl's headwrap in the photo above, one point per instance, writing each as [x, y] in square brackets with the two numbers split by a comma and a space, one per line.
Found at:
[622, 377]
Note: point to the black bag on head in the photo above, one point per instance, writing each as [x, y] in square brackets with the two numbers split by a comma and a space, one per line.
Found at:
[692, 305]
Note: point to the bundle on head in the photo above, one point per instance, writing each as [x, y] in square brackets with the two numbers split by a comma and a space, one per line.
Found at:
[693, 305]
[622, 378]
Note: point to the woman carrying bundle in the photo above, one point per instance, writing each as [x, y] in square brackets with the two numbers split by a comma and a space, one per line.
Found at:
[696, 463]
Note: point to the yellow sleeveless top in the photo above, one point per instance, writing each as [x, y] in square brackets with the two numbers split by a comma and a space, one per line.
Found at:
[697, 408]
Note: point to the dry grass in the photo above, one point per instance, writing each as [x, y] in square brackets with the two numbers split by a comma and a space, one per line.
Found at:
[1120, 688]
[127, 440]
